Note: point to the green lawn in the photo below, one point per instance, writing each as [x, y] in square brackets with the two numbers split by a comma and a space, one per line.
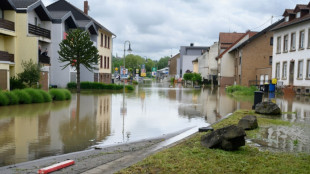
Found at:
[190, 157]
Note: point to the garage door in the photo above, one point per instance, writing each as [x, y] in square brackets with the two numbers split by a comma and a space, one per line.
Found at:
[3, 79]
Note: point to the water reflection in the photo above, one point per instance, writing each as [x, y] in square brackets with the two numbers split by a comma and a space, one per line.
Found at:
[34, 131]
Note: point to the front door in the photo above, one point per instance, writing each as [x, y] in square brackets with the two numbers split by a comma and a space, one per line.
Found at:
[291, 79]
[3, 80]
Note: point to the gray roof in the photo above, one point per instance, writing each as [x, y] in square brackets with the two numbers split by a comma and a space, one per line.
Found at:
[23, 3]
[58, 14]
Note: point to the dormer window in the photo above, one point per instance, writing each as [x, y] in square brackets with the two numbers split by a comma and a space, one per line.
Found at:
[298, 15]
[35, 21]
[1, 14]
[286, 18]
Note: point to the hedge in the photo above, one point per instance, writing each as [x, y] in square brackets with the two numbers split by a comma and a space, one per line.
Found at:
[98, 85]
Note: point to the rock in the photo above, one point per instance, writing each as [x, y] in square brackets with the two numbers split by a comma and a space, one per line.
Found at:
[267, 108]
[205, 129]
[248, 122]
[227, 138]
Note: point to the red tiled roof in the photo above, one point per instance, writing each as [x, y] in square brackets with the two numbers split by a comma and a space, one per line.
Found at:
[300, 7]
[288, 11]
[229, 38]
[250, 33]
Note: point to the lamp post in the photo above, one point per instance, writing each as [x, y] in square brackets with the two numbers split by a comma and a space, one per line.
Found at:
[124, 110]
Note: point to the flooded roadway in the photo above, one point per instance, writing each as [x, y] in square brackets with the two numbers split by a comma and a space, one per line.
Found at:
[29, 132]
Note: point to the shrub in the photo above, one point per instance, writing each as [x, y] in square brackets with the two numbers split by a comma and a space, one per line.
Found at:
[16, 83]
[35, 95]
[197, 77]
[31, 73]
[172, 80]
[129, 87]
[135, 82]
[67, 94]
[46, 96]
[13, 99]
[71, 85]
[241, 90]
[188, 76]
[57, 94]
[3, 99]
[98, 85]
[23, 96]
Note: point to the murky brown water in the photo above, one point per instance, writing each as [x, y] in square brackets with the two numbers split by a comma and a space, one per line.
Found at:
[29, 132]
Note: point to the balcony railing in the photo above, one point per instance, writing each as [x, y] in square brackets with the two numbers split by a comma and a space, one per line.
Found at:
[32, 29]
[5, 56]
[44, 59]
[7, 24]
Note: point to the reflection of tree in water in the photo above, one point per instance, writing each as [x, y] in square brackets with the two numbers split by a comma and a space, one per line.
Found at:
[77, 135]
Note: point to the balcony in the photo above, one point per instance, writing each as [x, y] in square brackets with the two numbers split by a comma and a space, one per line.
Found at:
[5, 56]
[32, 29]
[7, 24]
[44, 59]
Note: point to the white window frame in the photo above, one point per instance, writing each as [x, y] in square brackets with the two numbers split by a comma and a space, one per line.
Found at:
[293, 41]
[308, 69]
[302, 39]
[277, 75]
[284, 70]
[285, 43]
[300, 69]
[279, 44]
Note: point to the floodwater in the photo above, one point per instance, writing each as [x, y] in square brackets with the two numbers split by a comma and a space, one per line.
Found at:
[29, 132]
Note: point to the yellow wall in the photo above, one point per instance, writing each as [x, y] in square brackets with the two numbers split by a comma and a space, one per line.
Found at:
[9, 15]
[26, 47]
[195, 67]
[104, 51]
[2, 43]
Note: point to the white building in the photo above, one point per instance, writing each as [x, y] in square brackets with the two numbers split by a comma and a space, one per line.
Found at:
[207, 64]
[291, 51]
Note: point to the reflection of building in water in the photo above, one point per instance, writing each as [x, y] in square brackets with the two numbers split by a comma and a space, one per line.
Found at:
[103, 118]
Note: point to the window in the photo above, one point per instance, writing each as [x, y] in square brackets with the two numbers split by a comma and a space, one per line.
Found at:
[105, 41]
[35, 21]
[298, 15]
[308, 69]
[293, 41]
[309, 38]
[270, 60]
[300, 69]
[285, 43]
[101, 62]
[105, 62]
[240, 59]
[101, 40]
[108, 42]
[284, 70]
[286, 18]
[278, 70]
[108, 63]
[1, 14]
[279, 44]
[266, 79]
[271, 41]
[301, 39]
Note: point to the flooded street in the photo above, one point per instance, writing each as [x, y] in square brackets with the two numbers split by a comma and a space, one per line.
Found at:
[29, 132]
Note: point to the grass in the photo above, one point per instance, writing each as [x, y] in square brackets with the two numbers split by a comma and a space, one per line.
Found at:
[236, 90]
[190, 157]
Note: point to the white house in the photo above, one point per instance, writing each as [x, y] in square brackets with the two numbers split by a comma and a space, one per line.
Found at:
[207, 64]
[291, 51]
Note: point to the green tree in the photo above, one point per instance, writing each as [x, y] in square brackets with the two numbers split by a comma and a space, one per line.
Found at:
[163, 62]
[78, 50]
[31, 73]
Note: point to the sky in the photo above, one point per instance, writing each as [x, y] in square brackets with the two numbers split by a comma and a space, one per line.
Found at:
[157, 28]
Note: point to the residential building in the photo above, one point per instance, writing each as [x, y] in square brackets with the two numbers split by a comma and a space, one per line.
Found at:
[195, 65]
[101, 37]
[226, 61]
[7, 43]
[253, 58]
[173, 65]
[291, 61]
[187, 55]
[208, 64]
[26, 29]
[227, 39]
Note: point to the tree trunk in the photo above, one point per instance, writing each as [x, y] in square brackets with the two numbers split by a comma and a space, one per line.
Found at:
[78, 88]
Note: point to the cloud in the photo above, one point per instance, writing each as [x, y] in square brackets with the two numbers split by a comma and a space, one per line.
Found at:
[157, 28]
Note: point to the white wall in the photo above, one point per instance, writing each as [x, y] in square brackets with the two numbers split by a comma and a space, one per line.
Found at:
[188, 63]
[291, 55]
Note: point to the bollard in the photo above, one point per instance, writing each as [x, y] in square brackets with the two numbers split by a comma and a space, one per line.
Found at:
[258, 98]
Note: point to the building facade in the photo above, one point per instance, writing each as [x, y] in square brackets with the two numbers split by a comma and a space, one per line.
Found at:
[208, 64]
[291, 64]
[173, 65]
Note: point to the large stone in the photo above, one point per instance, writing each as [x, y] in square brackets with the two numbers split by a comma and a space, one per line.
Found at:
[248, 122]
[267, 108]
[227, 138]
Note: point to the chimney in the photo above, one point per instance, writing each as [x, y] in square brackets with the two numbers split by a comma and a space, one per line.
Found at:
[86, 7]
[192, 44]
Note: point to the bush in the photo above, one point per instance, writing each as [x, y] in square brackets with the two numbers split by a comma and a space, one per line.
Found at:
[16, 83]
[67, 94]
[129, 87]
[31, 73]
[188, 76]
[241, 90]
[46, 96]
[35, 95]
[172, 80]
[196, 77]
[13, 99]
[135, 82]
[3, 99]
[71, 85]
[23, 96]
[57, 94]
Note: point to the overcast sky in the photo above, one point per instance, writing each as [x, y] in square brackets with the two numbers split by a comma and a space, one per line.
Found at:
[157, 28]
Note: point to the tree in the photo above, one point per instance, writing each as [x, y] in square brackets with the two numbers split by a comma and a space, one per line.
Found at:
[163, 62]
[76, 50]
[31, 73]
